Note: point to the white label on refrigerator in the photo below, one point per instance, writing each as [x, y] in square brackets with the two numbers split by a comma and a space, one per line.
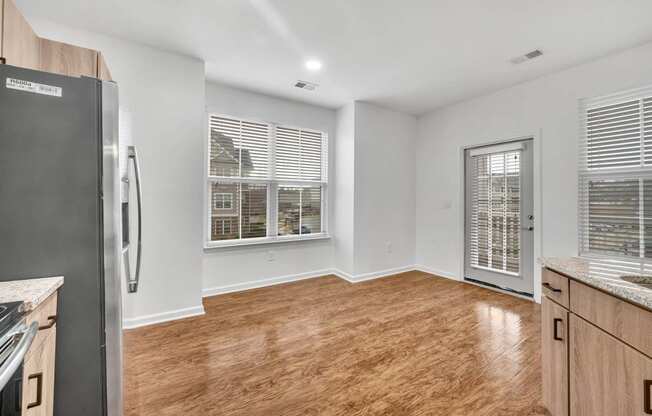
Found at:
[33, 87]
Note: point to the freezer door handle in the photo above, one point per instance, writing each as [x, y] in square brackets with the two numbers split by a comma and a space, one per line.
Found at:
[132, 282]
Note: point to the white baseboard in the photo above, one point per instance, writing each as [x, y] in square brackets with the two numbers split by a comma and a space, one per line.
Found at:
[254, 284]
[373, 275]
[158, 318]
[436, 272]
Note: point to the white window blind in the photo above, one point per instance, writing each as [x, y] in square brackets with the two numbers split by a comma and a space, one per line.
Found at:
[298, 154]
[277, 175]
[615, 178]
[239, 148]
[496, 211]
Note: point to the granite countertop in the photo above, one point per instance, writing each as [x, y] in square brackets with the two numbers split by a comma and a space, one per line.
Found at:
[31, 291]
[602, 274]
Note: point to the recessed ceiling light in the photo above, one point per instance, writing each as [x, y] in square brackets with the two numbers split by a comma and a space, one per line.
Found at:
[313, 64]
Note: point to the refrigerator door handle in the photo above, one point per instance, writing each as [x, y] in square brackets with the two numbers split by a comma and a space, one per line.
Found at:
[132, 283]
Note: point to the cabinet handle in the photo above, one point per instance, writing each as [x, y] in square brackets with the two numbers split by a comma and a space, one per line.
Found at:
[647, 405]
[555, 334]
[51, 321]
[549, 286]
[39, 389]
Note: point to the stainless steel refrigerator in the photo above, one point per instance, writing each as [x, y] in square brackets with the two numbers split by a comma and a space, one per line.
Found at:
[60, 214]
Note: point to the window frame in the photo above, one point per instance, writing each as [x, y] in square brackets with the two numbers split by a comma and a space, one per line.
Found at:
[272, 189]
[588, 174]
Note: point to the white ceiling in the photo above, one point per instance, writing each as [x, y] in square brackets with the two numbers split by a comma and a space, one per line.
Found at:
[410, 55]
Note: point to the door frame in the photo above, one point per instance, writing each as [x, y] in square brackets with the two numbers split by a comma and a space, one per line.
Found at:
[537, 205]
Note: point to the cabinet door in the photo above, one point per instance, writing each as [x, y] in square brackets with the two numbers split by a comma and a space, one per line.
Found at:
[607, 377]
[554, 357]
[20, 45]
[65, 59]
[103, 72]
[38, 380]
[2, 31]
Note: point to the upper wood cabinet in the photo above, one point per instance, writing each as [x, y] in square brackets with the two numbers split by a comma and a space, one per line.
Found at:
[65, 59]
[2, 12]
[21, 47]
[103, 72]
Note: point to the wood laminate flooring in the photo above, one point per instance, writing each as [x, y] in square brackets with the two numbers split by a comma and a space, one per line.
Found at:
[409, 344]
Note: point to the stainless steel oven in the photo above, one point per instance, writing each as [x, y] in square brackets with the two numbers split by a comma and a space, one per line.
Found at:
[15, 339]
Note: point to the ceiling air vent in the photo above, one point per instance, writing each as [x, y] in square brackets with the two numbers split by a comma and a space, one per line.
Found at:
[530, 55]
[310, 86]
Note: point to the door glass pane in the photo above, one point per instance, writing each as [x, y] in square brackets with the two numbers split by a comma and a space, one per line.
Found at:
[496, 211]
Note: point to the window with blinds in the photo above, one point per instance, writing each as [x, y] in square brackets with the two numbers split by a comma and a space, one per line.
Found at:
[265, 181]
[615, 177]
[496, 211]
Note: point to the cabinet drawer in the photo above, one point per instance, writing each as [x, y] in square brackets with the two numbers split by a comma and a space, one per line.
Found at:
[555, 287]
[623, 320]
[45, 315]
[554, 357]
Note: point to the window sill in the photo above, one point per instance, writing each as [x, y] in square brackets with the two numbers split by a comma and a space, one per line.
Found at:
[211, 245]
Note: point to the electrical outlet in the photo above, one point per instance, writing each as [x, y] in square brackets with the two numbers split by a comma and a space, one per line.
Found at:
[270, 255]
[388, 246]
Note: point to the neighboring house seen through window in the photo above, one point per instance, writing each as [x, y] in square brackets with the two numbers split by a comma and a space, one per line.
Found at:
[266, 182]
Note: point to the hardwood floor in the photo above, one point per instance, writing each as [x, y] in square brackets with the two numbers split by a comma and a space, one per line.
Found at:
[410, 344]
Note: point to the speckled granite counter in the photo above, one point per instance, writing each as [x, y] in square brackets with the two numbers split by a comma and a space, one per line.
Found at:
[30, 291]
[603, 275]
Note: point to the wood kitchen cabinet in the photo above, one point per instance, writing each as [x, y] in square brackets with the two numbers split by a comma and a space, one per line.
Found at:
[38, 367]
[554, 356]
[607, 377]
[103, 72]
[66, 59]
[595, 350]
[20, 46]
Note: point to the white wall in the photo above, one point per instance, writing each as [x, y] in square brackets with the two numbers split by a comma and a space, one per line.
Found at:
[344, 190]
[242, 267]
[164, 96]
[546, 107]
[384, 189]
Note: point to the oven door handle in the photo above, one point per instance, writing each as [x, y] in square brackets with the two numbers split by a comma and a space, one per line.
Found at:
[16, 357]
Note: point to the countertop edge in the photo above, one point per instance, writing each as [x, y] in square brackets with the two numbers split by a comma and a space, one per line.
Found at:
[591, 282]
[32, 292]
[57, 282]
